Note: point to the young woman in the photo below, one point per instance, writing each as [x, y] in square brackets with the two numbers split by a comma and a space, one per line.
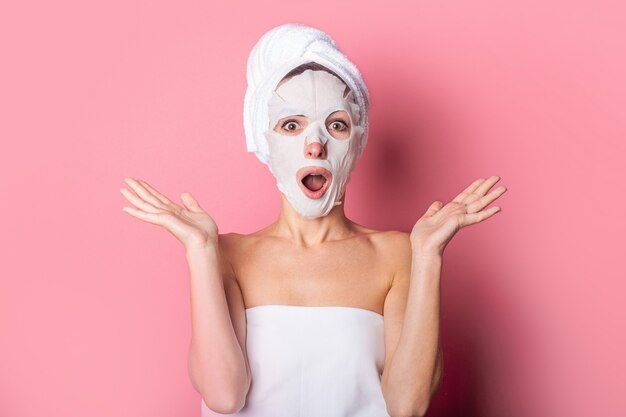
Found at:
[313, 315]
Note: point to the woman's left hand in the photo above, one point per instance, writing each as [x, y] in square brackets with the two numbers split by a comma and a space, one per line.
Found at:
[439, 224]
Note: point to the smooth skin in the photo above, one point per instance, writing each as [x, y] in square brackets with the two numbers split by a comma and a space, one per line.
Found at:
[321, 262]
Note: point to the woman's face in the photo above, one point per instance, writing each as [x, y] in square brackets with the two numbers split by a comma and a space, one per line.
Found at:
[313, 139]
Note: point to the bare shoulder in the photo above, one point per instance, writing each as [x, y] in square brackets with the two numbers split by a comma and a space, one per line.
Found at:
[237, 247]
[400, 250]
[233, 242]
[231, 246]
[394, 241]
[386, 237]
[394, 248]
[227, 242]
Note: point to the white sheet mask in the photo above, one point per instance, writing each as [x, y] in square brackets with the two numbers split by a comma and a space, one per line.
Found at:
[316, 95]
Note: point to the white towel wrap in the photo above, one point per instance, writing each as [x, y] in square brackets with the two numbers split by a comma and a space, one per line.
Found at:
[277, 52]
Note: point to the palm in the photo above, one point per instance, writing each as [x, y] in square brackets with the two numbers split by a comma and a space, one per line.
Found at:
[189, 224]
[440, 223]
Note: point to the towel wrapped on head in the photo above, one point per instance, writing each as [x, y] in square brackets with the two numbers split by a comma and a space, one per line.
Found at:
[277, 52]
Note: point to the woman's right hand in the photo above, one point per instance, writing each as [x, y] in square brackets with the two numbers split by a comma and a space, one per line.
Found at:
[189, 224]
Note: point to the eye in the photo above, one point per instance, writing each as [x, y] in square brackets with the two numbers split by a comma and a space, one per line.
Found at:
[339, 125]
[290, 125]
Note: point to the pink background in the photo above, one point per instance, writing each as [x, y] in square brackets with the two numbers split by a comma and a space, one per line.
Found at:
[94, 303]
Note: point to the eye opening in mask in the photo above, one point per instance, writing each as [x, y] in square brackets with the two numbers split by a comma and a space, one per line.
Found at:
[294, 125]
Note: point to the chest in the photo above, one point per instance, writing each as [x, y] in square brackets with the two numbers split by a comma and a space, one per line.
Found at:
[350, 273]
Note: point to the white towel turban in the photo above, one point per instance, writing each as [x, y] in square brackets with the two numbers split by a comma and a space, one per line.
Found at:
[277, 52]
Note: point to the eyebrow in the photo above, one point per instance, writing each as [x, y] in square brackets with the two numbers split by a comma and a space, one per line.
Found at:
[290, 112]
[302, 115]
[337, 111]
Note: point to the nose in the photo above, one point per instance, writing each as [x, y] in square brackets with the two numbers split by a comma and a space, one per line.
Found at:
[314, 150]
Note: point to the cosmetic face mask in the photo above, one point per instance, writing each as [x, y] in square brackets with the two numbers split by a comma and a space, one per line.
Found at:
[312, 184]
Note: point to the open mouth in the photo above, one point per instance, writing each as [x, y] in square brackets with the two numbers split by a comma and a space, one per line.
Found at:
[314, 181]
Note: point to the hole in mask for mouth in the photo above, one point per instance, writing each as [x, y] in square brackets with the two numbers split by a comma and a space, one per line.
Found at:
[314, 182]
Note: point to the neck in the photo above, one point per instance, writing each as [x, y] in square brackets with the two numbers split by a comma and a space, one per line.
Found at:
[312, 232]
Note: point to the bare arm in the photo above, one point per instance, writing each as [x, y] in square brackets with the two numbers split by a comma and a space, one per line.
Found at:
[414, 369]
[218, 363]
[414, 372]
[218, 366]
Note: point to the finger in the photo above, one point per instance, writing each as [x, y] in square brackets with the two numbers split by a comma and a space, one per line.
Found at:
[145, 206]
[143, 193]
[480, 216]
[154, 218]
[191, 203]
[485, 186]
[483, 202]
[481, 190]
[158, 195]
[434, 208]
[470, 189]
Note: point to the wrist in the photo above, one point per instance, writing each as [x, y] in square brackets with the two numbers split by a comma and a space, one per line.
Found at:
[434, 255]
[204, 248]
[424, 250]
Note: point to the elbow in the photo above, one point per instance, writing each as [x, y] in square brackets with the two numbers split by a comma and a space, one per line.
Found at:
[221, 408]
[417, 412]
[414, 409]
[223, 395]
[224, 404]
[422, 406]
[419, 406]
[402, 408]
[421, 411]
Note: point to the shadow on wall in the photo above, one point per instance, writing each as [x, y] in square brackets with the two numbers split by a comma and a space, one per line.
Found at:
[465, 346]
[482, 332]
[408, 144]
[413, 136]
